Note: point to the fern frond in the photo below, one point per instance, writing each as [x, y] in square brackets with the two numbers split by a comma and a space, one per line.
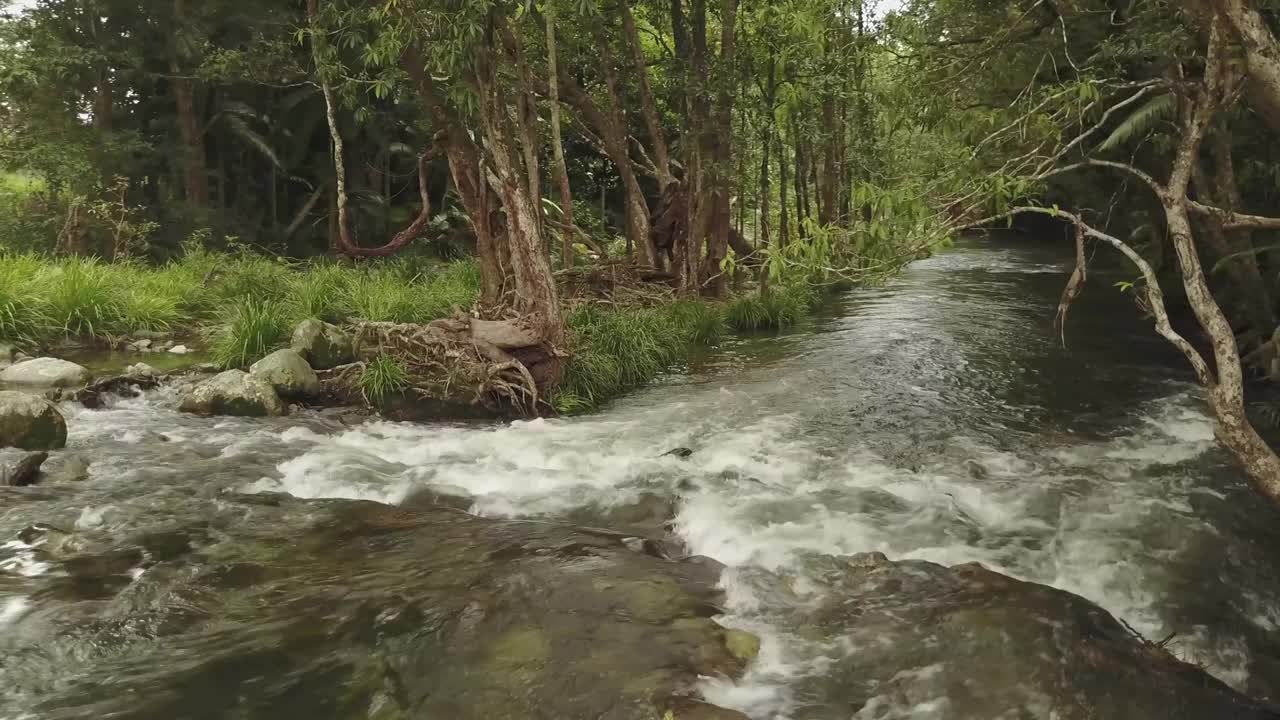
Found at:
[1141, 121]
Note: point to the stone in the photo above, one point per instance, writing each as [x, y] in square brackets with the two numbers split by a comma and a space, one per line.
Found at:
[20, 469]
[152, 335]
[680, 452]
[179, 350]
[322, 345]
[141, 370]
[742, 645]
[992, 646]
[288, 373]
[66, 467]
[29, 422]
[45, 372]
[233, 392]
[143, 345]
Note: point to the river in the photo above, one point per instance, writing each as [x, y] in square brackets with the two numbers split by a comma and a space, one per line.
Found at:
[936, 417]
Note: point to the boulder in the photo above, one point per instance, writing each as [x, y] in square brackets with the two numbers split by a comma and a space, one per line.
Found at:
[66, 467]
[30, 422]
[233, 392]
[20, 469]
[992, 647]
[45, 372]
[323, 345]
[288, 373]
[143, 345]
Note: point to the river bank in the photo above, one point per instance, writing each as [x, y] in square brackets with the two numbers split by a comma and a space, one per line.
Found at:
[933, 419]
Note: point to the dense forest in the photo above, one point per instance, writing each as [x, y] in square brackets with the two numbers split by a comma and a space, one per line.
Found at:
[657, 152]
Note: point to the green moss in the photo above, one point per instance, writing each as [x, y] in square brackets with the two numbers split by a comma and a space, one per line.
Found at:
[742, 645]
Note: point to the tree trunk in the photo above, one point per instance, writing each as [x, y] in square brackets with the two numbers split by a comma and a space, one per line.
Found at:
[648, 107]
[1262, 53]
[535, 289]
[784, 215]
[103, 99]
[557, 143]
[190, 128]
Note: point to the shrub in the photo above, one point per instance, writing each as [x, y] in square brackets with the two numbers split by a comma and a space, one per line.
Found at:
[381, 377]
[781, 308]
[251, 330]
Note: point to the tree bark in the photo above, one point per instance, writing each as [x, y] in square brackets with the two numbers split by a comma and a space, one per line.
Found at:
[557, 143]
[648, 107]
[190, 128]
[1262, 53]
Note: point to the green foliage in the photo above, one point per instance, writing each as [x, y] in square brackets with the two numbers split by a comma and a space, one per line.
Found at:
[83, 297]
[1141, 121]
[22, 307]
[778, 309]
[381, 377]
[251, 329]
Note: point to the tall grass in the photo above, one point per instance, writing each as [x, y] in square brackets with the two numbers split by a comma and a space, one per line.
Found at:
[250, 300]
[251, 330]
[781, 308]
[619, 349]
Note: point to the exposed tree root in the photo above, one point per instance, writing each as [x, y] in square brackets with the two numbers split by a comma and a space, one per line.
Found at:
[487, 362]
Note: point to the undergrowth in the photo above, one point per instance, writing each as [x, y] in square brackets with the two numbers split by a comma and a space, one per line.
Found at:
[250, 301]
[778, 309]
[381, 377]
[616, 349]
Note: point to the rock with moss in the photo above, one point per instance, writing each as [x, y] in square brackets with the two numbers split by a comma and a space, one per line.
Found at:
[20, 468]
[289, 373]
[322, 345]
[233, 392]
[45, 372]
[30, 422]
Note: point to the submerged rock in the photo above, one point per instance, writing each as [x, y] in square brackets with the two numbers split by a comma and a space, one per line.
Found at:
[321, 344]
[30, 423]
[233, 392]
[369, 611]
[986, 646]
[141, 370]
[288, 373]
[20, 469]
[67, 467]
[45, 372]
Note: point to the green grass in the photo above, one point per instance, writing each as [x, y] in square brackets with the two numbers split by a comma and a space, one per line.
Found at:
[615, 350]
[250, 331]
[383, 376]
[249, 301]
[781, 308]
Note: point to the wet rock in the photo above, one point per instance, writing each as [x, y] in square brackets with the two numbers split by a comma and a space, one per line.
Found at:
[742, 645]
[206, 368]
[680, 452]
[143, 345]
[976, 470]
[66, 467]
[649, 515]
[179, 350]
[322, 345]
[992, 646]
[45, 372]
[141, 370]
[233, 392]
[21, 468]
[127, 385]
[370, 611]
[288, 373]
[432, 497]
[152, 335]
[30, 423]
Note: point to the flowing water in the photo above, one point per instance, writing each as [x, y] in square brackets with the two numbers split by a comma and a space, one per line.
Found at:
[937, 417]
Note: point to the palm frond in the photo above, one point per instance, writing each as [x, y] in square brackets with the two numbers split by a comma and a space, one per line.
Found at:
[1140, 122]
[255, 139]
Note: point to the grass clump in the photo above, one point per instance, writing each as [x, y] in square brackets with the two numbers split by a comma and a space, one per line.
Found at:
[781, 308]
[250, 331]
[619, 349]
[381, 377]
[83, 297]
[22, 315]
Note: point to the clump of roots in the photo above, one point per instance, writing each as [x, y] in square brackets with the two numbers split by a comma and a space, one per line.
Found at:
[460, 358]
